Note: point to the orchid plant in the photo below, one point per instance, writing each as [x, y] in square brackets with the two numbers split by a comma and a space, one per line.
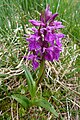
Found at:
[44, 44]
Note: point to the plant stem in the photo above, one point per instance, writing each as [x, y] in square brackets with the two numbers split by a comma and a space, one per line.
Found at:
[41, 72]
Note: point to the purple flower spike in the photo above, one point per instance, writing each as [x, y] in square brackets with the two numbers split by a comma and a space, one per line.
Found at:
[45, 42]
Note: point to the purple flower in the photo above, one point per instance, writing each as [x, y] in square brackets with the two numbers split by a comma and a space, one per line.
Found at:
[45, 42]
[56, 24]
[36, 23]
[47, 15]
[52, 53]
[34, 60]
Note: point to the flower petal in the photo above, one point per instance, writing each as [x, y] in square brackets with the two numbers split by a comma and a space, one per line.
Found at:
[35, 64]
[49, 37]
[33, 45]
[48, 13]
[31, 57]
[53, 17]
[36, 23]
[58, 24]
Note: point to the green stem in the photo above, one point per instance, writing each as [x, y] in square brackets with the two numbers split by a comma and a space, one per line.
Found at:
[41, 72]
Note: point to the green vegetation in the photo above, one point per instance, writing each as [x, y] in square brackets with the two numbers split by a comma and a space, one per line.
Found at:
[61, 85]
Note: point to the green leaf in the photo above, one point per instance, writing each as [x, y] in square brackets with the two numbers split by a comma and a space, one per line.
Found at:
[45, 104]
[30, 81]
[24, 101]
